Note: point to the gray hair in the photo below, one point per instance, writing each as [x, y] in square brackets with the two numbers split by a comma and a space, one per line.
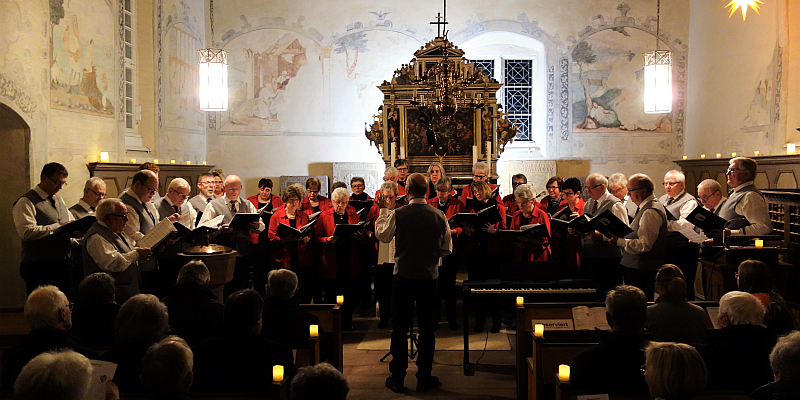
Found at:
[106, 207]
[321, 381]
[340, 194]
[525, 191]
[711, 184]
[292, 191]
[785, 357]
[741, 308]
[598, 179]
[63, 375]
[97, 288]
[179, 183]
[390, 171]
[142, 319]
[617, 179]
[436, 164]
[444, 182]
[747, 164]
[196, 272]
[43, 307]
[678, 175]
[166, 364]
[282, 282]
[300, 189]
[391, 186]
[92, 182]
[481, 166]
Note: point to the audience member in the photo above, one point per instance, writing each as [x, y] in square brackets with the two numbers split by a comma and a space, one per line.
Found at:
[167, 369]
[754, 277]
[319, 382]
[141, 321]
[287, 322]
[614, 365]
[96, 310]
[194, 312]
[59, 375]
[785, 362]
[240, 359]
[674, 371]
[49, 315]
[737, 356]
[672, 318]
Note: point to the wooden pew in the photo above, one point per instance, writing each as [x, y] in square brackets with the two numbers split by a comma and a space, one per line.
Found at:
[307, 354]
[537, 360]
[276, 392]
[330, 320]
[564, 391]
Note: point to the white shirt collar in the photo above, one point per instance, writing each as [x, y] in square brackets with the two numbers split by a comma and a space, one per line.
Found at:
[85, 205]
[748, 183]
[38, 189]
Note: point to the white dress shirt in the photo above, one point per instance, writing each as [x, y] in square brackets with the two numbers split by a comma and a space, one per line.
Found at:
[24, 214]
[649, 226]
[684, 227]
[133, 227]
[209, 213]
[187, 219]
[106, 255]
[754, 208]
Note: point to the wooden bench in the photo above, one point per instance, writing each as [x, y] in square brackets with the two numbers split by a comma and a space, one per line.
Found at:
[538, 359]
[330, 320]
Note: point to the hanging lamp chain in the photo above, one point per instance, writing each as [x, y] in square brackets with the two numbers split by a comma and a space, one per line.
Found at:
[658, 21]
[212, 22]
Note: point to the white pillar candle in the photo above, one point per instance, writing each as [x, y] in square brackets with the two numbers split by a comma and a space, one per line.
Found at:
[277, 373]
[685, 158]
[702, 156]
[759, 244]
[172, 161]
[204, 163]
[313, 330]
[104, 156]
[393, 153]
[520, 301]
[188, 163]
[790, 148]
[340, 300]
[719, 155]
[756, 153]
[155, 161]
[563, 373]
[133, 161]
[538, 330]
[474, 154]
[489, 152]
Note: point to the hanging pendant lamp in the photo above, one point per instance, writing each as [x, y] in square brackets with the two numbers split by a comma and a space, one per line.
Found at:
[658, 76]
[213, 67]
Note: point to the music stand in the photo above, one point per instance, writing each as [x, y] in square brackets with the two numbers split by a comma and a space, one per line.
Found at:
[412, 340]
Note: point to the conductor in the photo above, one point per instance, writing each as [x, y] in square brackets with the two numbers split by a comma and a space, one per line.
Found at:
[422, 238]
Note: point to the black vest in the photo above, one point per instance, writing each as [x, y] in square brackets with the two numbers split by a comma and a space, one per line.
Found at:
[126, 282]
[55, 246]
[418, 237]
[653, 259]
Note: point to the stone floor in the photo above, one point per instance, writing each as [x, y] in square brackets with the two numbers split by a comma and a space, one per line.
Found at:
[493, 379]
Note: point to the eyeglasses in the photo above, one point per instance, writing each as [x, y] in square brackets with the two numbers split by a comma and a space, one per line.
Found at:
[552, 187]
[402, 168]
[670, 184]
[181, 195]
[312, 191]
[98, 194]
[151, 190]
[515, 184]
[705, 198]
[123, 216]
[358, 186]
[643, 369]
[594, 187]
[293, 200]
[233, 189]
[570, 193]
[70, 306]
[476, 176]
[206, 183]
[59, 184]
[732, 170]
[633, 190]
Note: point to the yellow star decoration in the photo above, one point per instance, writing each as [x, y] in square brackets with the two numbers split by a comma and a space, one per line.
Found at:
[743, 4]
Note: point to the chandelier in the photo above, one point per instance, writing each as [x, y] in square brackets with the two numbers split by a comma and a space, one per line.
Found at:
[658, 76]
[213, 68]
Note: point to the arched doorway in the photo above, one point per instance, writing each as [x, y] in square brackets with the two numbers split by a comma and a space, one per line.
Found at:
[16, 136]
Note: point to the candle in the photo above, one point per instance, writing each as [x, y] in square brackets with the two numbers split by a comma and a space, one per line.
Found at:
[756, 153]
[538, 330]
[339, 299]
[563, 373]
[393, 152]
[204, 163]
[759, 244]
[488, 152]
[104, 156]
[313, 330]
[403, 152]
[719, 155]
[733, 154]
[474, 154]
[702, 156]
[188, 163]
[685, 158]
[790, 147]
[155, 161]
[277, 373]
[520, 301]
[133, 161]
[172, 161]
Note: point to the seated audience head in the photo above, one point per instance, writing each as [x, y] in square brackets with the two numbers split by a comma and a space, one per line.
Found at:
[640, 187]
[616, 185]
[94, 190]
[243, 311]
[402, 169]
[282, 283]
[358, 185]
[553, 186]
[340, 199]
[390, 174]
[321, 381]
[48, 308]
[572, 190]
[113, 213]
[435, 172]
[674, 182]
[709, 192]
[596, 185]
[754, 276]
[178, 191]
[670, 283]
[205, 184]
[167, 366]
[145, 185]
[785, 358]
[194, 272]
[674, 371]
[62, 375]
[143, 319]
[480, 172]
[626, 309]
[740, 308]
[97, 288]
[416, 185]
[481, 191]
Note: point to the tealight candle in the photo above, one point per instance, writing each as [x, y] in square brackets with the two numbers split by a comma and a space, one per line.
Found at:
[172, 161]
[702, 156]
[538, 330]
[204, 163]
[188, 163]
[313, 330]
[756, 153]
[790, 148]
[133, 161]
[277, 373]
[155, 161]
[685, 158]
[733, 154]
[104, 156]
[339, 299]
[563, 373]
[759, 244]
[520, 301]
[719, 155]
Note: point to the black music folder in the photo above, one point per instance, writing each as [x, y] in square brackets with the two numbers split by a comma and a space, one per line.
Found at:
[489, 215]
[606, 223]
[705, 219]
[287, 232]
[402, 200]
[242, 221]
[347, 230]
[360, 205]
[79, 225]
[190, 235]
[533, 231]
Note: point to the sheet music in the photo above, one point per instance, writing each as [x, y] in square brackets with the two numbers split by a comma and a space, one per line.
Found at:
[102, 371]
[157, 234]
[582, 318]
[599, 318]
[213, 222]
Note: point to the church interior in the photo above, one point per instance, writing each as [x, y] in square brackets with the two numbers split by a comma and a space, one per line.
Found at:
[88, 82]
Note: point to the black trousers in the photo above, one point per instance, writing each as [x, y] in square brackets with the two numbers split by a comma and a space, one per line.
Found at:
[383, 289]
[447, 288]
[642, 279]
[685, 258]
[50, 272]
[406, 292]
